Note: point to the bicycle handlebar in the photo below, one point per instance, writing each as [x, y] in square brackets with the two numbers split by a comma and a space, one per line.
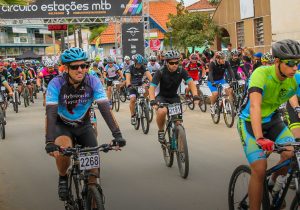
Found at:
[77, 149]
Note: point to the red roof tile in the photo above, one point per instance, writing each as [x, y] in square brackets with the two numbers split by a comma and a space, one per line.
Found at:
[201, 4]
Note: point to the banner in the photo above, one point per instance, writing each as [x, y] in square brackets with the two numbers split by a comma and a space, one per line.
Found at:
[72, 9]
[133, 39]
[154, 44]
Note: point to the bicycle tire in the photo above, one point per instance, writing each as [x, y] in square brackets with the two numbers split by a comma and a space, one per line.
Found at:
[295, 205]
[216, 117]
[94, 197]
[151, 113]
[137, 118]
[112, 101]
[191, 103]
[168, 153]
[117, 101]
[202, 103]
[145, 118]
[2, 124]
[182, 152]
[123, 97]
[229, 112]
[74, 201]
[236, 173]
[25, 97]
[15, 103]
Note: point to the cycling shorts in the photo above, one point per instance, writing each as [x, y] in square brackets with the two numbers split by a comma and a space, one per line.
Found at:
[82, 135]
[294, 121]
[213, 88]
[274, 130]
[110, 81]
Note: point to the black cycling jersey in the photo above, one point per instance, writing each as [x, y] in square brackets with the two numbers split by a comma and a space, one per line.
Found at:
[256, 65]
[5, 74]
[15, 74]
[136, 74]
[169, 82]
[235, 64]
[217, 71]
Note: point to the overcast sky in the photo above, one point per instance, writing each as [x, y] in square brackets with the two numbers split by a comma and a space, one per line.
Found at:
[189, 2]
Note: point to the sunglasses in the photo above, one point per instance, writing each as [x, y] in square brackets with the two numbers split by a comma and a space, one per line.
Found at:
[76, 67]
[173, 63]
[291, 63]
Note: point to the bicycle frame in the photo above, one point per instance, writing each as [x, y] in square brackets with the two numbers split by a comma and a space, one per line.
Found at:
[220, 102]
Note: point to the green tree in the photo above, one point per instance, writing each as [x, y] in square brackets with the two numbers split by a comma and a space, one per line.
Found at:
[191, 29]
[95, 32]
[11, 2]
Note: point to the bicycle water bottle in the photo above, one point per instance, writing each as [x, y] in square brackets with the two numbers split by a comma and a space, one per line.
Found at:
[280, 182]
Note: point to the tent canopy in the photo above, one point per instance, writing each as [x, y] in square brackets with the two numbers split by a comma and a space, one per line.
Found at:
[28, 55]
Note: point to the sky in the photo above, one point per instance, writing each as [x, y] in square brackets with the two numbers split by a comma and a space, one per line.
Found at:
[189, 2]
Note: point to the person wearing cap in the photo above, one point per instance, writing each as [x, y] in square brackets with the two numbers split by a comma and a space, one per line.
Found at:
[259, 125]
[257, 60]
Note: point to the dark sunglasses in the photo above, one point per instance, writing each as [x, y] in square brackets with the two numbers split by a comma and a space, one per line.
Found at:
[291, 63]
[76, 67]
[173, 63]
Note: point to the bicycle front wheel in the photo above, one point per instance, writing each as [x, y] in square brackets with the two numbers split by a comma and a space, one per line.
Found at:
[117, 100]
[15, 103]
[295, 203]
[166, 148]
[123, 95]
[202, 103]
[216, 116]
[238, 188]
[145, 118]
[95, 199]
[190, 102]
[182, 152]
[2, 124]
[228, 113]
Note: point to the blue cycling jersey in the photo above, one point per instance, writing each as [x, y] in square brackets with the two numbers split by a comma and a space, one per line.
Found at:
[74, 104]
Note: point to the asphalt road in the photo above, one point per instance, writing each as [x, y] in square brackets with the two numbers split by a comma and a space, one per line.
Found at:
[135, 178]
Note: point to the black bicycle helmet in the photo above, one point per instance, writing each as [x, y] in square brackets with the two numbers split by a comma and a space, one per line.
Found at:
[286, 49]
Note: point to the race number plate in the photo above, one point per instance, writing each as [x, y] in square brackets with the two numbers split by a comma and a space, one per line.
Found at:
[174, 109]
[15, 85]
[116, 82]
[89, 160]
[2, 88]
[298, 158]
[141, 90]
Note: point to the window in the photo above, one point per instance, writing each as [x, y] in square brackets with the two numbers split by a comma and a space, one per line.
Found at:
[259, 31]
[240, 34]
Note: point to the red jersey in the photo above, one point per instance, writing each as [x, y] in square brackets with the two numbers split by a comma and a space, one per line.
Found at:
[193, 70]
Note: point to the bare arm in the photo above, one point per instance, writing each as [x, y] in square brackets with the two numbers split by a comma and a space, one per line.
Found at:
[255, 114]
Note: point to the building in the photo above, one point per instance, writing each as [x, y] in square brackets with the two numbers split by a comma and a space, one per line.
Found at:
[257, 23]
[159, 16]
[202, 6]
[15, 40]
[244, 23]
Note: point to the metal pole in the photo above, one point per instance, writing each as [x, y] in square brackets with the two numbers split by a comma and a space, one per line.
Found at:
[68, 40]
[53, 39]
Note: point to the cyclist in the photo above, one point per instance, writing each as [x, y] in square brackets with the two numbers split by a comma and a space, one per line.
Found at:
[134, 77]
[235, 63]
[259, 125]
[69, 98]
[4, 72]
[153, 65]
[4, 76]
[29, 76]
[168, 79]
[257, 60]
[16, 76]
[111, 73]
[267, 59]
[95, 71]
[216, 75]
[45, 76]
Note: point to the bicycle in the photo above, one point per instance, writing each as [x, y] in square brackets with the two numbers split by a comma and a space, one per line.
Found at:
[276, 202]
[16, 97]
[3, 105]
[238, 93]
[141, 108]
[25, 94]
[35, 89]
[175, 139]
[115, 95]
[223, 104]
[204, 94]
[82, 194]
[123, 94]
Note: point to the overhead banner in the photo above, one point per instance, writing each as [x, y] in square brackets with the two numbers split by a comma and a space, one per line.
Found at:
[246, 9]
[72, 9]
[133, 39]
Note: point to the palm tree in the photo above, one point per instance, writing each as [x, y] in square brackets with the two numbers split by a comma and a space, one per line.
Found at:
[10, 2]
